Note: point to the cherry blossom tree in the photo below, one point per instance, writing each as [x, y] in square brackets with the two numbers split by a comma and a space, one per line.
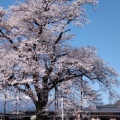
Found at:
[35, 56]
[80, 95]
[77, 95]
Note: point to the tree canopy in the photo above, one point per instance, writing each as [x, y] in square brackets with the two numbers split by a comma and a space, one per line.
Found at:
[35, 56]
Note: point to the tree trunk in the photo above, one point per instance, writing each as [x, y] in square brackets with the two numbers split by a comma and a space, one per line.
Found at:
[42, 95]
[40, 116]
[41, 105]
[40, 113]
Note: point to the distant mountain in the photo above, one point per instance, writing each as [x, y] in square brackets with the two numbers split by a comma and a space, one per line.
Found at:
[19, 106]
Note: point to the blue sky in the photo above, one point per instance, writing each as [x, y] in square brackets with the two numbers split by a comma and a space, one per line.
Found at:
[102, 32]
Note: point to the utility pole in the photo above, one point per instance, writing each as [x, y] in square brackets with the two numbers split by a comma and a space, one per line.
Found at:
[56, 102]
[81, 107]
[16, 110]
[5, 97]
[62, 106]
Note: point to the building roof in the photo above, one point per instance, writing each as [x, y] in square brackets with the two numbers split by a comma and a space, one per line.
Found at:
[108, 108]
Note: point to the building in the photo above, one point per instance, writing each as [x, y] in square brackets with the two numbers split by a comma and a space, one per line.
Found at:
[24, 116]
[103, 112]
[106, 112]
[15, 116]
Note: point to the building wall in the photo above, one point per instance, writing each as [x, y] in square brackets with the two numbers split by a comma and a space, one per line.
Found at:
[112, 118]
[95, 119]
[104, 118]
